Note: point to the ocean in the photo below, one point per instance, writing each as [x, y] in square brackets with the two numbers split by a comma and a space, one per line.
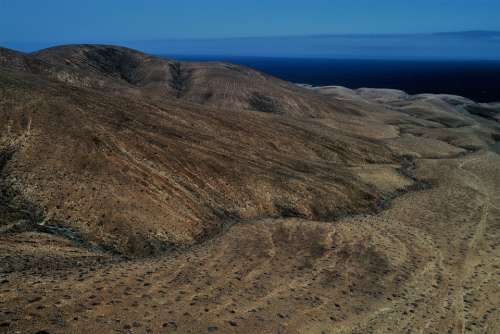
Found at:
[477, 80]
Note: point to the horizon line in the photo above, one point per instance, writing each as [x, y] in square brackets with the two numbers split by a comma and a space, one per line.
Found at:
[489, 33]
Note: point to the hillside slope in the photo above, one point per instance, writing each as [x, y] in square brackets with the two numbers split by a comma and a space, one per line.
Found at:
[138, 175]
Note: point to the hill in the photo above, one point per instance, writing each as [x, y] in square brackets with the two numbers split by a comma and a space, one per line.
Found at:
[125, 167]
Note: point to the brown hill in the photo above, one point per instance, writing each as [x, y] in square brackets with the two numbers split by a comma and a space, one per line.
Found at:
[130, 172]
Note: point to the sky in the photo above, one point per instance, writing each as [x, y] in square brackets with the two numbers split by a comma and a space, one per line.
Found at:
[249, 28]
[129, 20]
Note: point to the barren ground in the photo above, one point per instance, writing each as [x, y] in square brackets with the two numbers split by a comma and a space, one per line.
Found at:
[414, 249]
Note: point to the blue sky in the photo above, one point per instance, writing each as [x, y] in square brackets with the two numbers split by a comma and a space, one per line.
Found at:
[66, 21]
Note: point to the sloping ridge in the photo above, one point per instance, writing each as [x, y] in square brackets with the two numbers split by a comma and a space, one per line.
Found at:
[222, 85]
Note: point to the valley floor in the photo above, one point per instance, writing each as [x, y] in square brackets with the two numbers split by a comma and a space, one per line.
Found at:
[429, 263]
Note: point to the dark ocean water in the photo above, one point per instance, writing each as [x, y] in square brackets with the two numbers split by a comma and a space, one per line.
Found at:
[477, 80]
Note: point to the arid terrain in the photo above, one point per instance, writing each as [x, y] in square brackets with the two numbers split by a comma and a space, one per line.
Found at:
[145, 195]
